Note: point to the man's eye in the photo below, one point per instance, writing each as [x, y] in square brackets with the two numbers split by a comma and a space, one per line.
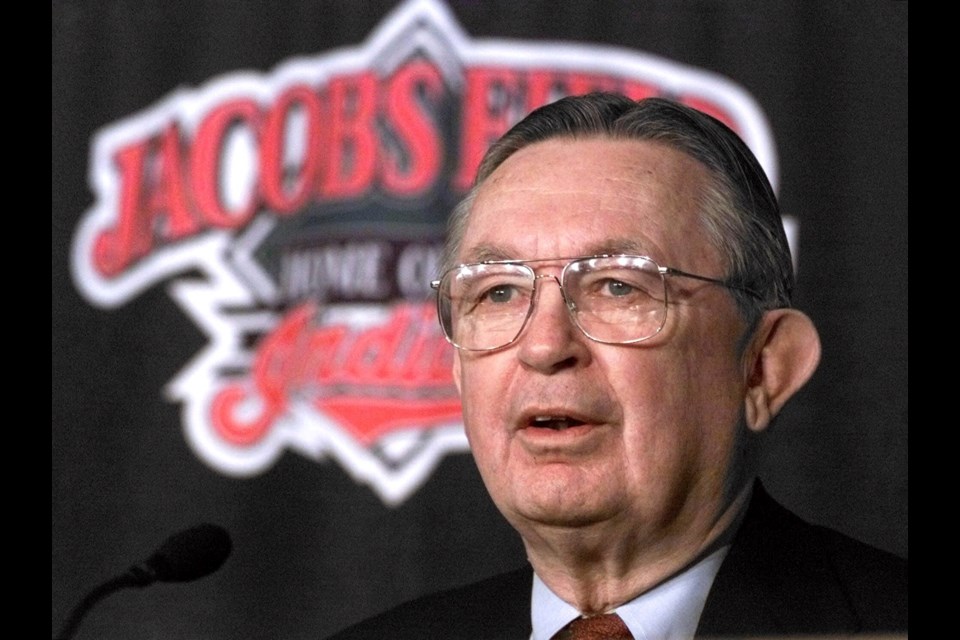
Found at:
[499, 294]
[618, 288]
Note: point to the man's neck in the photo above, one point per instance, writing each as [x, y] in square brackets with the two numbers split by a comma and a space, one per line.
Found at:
[582, 566]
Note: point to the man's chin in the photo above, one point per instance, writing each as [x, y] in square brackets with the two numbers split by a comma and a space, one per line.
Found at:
[554, 515]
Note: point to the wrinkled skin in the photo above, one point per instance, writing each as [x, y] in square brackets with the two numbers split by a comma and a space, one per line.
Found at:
[640, 467]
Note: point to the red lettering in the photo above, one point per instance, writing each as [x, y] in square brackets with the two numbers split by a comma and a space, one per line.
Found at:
[360, 132]
[428, 359]
[371, 355]
[151, 192]
[541, 88]
[281, 192]
[320, 357]
[353, 375]
[418, 170]
[352, 138]
[205, 163]
[228, 419]
[272, 369]
[488, 112]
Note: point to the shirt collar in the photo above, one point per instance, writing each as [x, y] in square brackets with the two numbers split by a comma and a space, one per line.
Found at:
[671, 610]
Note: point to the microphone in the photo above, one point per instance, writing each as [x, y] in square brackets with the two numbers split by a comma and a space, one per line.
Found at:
[185, 556]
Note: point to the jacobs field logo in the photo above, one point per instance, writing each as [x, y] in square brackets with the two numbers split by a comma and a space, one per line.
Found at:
[297, 217]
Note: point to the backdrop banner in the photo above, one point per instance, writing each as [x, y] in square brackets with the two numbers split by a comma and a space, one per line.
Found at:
[249, 204]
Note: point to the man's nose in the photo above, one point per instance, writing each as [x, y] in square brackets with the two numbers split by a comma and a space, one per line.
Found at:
[551, 340]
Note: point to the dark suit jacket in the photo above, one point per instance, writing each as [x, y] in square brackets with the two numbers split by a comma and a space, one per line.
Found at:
[781, 576]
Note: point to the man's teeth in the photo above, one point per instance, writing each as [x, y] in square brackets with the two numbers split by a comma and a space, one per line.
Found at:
[554, 422]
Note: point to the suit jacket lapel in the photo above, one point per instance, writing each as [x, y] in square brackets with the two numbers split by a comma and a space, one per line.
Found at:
[775, 579]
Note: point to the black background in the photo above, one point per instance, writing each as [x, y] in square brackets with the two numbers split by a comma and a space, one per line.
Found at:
[313, 550]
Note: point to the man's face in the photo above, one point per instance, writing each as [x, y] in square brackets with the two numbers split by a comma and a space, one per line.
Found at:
[643, 438]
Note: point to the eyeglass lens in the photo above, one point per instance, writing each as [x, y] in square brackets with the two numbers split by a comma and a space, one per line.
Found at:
[613, 299]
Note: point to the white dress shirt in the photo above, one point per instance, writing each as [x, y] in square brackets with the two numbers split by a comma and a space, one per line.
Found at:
[669, 611]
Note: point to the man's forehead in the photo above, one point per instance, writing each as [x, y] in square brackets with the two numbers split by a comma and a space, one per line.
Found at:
[621, 176]
[488, 251]
[586, 197]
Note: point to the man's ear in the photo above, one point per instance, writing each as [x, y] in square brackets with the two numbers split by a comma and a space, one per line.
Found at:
[781, 357]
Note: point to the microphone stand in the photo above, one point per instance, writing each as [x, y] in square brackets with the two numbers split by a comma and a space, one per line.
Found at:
[186, 556]
[129, 579]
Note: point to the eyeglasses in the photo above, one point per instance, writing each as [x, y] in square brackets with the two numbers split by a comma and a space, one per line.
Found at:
[612, 299]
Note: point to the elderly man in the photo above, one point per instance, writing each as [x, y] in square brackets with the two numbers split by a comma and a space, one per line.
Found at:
[617, 287]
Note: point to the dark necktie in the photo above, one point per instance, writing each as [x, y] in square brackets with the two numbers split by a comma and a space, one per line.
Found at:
[608, 626]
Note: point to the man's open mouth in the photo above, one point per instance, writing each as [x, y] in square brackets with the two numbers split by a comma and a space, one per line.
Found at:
[557, 423]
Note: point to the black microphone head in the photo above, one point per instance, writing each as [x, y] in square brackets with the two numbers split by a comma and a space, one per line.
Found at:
[188, 555]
